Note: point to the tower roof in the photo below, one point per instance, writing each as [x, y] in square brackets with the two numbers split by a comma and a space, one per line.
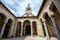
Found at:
[28, 12]
[28, 7]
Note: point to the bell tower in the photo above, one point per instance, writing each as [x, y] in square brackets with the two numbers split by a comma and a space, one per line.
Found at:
[28, 12]
[28, 9]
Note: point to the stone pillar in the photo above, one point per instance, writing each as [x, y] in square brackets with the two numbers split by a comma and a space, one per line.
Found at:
[22, 29]
[56, 27]
[46, 29]
[41, 28]
[31, 30]
[2, 31]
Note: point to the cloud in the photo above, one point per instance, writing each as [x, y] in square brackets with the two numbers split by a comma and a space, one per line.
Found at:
[18, 7]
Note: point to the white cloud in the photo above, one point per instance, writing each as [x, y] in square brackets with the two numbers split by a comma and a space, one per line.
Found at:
[20, 6]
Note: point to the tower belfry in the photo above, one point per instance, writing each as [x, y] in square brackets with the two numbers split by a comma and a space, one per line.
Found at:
[28, 12]
[28, 9]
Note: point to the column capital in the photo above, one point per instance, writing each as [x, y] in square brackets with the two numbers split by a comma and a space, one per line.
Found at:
[31, 21]
[51, 16]
[50, 13]
[22, 23]
[43, 20]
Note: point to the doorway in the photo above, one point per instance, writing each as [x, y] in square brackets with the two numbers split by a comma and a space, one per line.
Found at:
[6, 30]
[28, 30]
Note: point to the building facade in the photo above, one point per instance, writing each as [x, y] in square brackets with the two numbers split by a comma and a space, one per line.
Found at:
[45, 24]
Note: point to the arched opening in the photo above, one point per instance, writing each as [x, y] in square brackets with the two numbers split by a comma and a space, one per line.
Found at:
[43, 27]
[18, 31]
[2, 20]
[34, 28]
[50, 26]
[56, 14]
[26, 28]
[7, 27]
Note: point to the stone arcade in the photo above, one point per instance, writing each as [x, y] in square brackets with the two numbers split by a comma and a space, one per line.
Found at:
[45, 24]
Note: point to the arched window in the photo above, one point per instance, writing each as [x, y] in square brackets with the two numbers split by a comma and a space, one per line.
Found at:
[49, 25]
[27, 28]
[53, 8]
[7, 27]
[2, 20]
[34, 28]
[18, 31]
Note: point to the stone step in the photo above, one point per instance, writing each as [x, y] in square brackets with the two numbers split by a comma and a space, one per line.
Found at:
[30, 38]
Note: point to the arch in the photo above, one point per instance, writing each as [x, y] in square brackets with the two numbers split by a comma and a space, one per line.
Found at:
[54, 9]
[2, 20]
[43, 27]
[57, 18]
[7, 28]
[50, 26]
[26, 21]
[26, 28]
[34, 25]
[45, 15]
[18, 31]
[3, 15]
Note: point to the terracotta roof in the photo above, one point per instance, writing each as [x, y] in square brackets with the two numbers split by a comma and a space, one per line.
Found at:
[28, 15]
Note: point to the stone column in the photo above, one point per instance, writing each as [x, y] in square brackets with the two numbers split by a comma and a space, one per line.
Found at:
[45, 26]
[31, 30]
[56, 27]
[2, 31]
[22, 29]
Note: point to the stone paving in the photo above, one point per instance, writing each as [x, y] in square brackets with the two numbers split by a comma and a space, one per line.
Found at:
[30, 38]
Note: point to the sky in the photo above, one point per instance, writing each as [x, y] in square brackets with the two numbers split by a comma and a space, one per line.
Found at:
[18, 7]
